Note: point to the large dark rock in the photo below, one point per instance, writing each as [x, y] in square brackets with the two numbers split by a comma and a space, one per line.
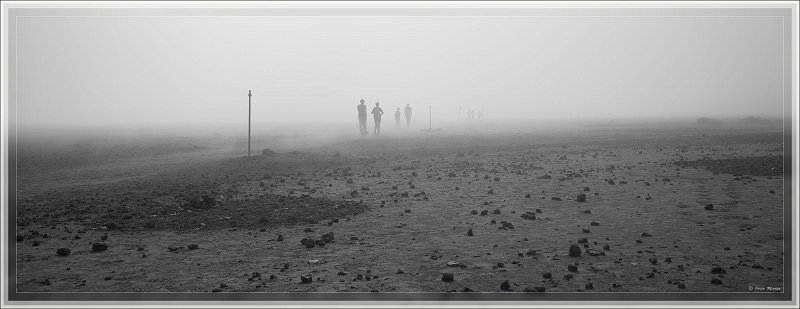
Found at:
[447, 277]
[63, 251]
[581, 198]
[98, 247]
[575, 251]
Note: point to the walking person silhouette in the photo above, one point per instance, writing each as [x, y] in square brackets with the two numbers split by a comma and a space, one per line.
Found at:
[397, 118]
[377, 111]
[362, 117]
[408, 115]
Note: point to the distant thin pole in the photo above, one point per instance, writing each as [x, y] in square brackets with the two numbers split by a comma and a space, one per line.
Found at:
[459, 113]
[249, 96]
[430, 118]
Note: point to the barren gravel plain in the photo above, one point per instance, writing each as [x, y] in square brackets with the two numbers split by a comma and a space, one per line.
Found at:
[591, 210]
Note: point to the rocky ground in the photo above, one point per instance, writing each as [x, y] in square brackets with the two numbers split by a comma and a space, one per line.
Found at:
[593, 211]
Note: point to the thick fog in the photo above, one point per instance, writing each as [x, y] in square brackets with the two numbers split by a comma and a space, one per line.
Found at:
[151, 71]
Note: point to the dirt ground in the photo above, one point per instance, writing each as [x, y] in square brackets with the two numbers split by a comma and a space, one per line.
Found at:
[405, 210]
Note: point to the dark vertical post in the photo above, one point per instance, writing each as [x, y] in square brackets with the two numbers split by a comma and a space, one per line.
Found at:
[249, 96]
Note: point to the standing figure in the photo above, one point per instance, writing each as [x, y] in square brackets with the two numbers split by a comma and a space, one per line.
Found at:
[376, 114]
[362, 117]
[408, 115]
[397, 118]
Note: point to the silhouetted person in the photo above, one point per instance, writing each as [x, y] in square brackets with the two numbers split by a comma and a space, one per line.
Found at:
[376, 114]
[408, 115]
[397, 117]
[362, 117]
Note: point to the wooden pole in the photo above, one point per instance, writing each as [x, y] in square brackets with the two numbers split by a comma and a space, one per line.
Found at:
[249, 96]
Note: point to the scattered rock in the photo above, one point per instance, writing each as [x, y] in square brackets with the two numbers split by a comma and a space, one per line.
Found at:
[484, 212]
[718, 270]
[709, 206]
[716, 281]
[555, 198]
[306, 279]
[193, 246]
[63, 251]
[327, 237]
[505, 286]
[456, 264]
[583, 240]
[98, 247]
[547, 275]
[594, 223]
[469, 233]
[593, 252]
[309, 243]
[572, 267]
[575, 251]
[581, 198]
[447, 277]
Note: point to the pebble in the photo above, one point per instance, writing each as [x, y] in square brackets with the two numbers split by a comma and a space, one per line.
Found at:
[547, 275]
[306, 279]
[447, 277]
[505, 286]
[469, 233]
[709, 206]
[581, 198]
[572, 267]
[63, 251]
[718, 270]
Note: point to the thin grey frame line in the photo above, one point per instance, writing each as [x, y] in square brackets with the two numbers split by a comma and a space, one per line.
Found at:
[783, 113]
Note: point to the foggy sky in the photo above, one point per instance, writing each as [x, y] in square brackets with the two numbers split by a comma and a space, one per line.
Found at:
[143, 71]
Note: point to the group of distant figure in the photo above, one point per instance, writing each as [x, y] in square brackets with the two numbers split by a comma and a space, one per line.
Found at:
[471, 115]
[377, 112]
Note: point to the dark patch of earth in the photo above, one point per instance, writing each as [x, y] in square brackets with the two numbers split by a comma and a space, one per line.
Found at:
[754, 166]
